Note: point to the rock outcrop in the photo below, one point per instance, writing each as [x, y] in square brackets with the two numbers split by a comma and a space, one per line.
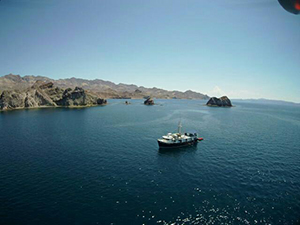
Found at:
[223, 101]
[43, 94]
[149, 101]
[101, 101]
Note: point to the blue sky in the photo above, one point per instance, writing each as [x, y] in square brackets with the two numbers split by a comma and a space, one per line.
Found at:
[243, 49]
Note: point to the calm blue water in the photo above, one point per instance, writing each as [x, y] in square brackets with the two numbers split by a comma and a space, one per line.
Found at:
[102, 165]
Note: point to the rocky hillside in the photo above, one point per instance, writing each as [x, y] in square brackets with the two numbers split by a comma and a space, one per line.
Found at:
[101, 88]
[42, 94]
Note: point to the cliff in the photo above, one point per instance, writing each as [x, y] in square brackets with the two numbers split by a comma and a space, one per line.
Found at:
[42, 94]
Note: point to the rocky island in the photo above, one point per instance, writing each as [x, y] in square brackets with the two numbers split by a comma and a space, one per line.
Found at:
[42, 94]
[224, 101]
[149, 101]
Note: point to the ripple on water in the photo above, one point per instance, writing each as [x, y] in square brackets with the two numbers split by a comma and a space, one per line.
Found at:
[101, 165]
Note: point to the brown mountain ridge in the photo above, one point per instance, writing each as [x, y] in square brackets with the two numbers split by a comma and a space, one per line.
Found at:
[101, 88]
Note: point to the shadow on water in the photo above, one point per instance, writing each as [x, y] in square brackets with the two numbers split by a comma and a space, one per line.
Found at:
[177, 151]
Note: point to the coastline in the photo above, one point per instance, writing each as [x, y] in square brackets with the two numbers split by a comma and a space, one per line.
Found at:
[52, 107]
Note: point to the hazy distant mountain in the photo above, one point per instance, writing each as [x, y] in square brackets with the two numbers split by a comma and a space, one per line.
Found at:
[105, 89]
[268, 101]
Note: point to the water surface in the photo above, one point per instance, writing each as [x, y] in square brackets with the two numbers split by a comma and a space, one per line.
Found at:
[102, 165]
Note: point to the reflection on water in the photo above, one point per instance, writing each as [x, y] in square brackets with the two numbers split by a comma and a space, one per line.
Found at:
[177, 151]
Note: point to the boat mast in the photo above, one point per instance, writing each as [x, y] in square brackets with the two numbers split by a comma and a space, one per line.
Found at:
[179, 127]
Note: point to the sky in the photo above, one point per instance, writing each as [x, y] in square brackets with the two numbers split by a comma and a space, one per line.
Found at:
[242, 49]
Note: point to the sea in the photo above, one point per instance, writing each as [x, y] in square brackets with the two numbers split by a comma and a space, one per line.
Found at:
[102, 165]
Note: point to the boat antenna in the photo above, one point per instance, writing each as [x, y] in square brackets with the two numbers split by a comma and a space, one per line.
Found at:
[179, 127]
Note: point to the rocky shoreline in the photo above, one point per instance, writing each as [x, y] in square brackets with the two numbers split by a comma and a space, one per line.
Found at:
[44, 95]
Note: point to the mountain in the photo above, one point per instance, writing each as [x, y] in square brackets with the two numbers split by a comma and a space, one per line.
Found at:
[105, 89]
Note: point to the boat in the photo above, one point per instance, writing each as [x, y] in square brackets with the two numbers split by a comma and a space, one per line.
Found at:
[174, 140]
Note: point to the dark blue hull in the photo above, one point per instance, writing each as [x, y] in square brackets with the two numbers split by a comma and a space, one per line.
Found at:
[176, 145]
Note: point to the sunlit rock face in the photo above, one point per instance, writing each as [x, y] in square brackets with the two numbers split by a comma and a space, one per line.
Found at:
[42, 94]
